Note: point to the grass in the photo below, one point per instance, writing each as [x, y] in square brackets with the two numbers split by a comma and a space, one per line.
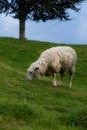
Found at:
[36, 105]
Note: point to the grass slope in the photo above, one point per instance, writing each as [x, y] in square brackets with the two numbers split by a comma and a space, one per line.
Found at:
[36, 105]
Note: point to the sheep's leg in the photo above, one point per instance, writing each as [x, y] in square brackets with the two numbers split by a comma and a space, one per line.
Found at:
[54, 80]
[61, 78]
[70, 81]
[71, 73]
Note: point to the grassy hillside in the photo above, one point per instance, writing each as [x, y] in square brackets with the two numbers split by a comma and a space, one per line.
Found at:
[36, 105]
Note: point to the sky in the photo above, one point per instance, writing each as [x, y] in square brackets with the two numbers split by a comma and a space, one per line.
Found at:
[55, 31]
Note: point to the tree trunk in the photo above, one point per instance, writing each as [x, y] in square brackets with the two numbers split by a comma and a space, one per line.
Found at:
[22, 28]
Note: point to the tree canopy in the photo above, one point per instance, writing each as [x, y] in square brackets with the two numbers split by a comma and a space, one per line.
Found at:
[37, 10]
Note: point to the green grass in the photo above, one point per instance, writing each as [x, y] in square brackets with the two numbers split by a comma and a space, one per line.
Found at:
[36, 105]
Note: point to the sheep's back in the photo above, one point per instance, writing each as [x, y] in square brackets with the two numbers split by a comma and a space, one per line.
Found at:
[64, 55]
[67, 55]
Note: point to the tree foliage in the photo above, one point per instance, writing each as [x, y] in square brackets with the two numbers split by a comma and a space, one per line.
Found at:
[37, 10]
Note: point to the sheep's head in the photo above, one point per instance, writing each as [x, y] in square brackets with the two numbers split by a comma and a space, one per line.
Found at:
[33, 72]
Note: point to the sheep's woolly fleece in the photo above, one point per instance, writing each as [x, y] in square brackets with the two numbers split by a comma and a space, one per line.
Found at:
[53, 60]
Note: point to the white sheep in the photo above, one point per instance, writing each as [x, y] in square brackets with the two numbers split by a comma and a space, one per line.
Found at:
[54, 60]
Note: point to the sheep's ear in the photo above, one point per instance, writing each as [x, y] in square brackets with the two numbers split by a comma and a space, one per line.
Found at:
[36, 68]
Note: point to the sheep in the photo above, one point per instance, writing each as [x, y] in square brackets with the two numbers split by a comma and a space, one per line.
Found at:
[52, 61]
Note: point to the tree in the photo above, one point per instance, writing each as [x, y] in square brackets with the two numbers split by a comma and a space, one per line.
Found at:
[37, 10]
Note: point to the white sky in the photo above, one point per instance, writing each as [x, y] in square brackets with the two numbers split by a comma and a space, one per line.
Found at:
[71, 32]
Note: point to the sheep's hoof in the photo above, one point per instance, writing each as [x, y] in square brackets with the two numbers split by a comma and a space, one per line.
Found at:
[70, 87]
[54, 84]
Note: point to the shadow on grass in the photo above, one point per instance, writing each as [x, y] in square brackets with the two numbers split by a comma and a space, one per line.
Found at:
[48, 83]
